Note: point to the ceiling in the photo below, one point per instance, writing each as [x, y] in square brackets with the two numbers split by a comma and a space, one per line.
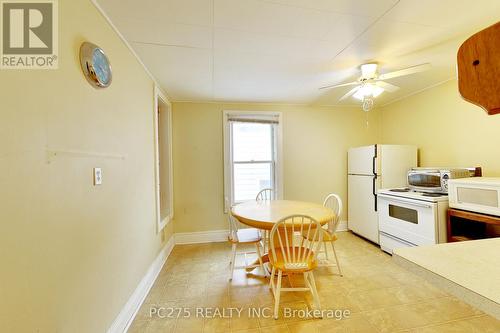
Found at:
[282, 51]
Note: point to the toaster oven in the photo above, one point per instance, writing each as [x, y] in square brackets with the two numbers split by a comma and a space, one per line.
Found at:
[434, 180]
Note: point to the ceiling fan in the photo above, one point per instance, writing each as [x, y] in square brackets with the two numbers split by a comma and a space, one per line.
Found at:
[371, 84]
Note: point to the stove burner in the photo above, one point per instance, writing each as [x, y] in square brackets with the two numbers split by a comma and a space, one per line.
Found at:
[433, 195]
[400, 190]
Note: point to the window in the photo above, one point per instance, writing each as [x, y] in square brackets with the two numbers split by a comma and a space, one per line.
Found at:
[163, 157]
[252, 154]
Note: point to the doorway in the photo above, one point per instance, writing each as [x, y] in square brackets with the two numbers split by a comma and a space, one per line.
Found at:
[164, 167]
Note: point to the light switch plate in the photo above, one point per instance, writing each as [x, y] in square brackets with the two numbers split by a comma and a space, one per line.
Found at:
[97, 176]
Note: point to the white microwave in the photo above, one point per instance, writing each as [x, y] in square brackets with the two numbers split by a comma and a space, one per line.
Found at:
[476, 194]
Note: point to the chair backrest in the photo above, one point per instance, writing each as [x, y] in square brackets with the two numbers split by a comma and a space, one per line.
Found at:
[233, 227]
[333, 202]
[295, 250]
[233, 223]
[265, 194]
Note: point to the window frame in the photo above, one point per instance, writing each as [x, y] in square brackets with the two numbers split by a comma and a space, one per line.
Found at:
[159, 97]
[228, 160]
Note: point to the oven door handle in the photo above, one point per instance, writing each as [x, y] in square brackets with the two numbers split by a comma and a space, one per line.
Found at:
[405, 201]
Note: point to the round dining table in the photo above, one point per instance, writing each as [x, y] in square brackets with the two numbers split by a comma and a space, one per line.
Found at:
[264, 214]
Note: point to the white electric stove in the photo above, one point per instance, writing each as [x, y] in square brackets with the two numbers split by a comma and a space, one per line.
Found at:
[409, 218]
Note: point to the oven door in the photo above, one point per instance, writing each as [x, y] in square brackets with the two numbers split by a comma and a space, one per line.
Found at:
[412, 221]
[425, 181]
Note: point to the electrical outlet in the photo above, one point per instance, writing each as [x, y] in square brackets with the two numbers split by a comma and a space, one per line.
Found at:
[97, 176]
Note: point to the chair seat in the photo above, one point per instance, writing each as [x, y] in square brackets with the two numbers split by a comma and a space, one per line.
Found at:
[300, 266]
[327, 237]
[249, 235]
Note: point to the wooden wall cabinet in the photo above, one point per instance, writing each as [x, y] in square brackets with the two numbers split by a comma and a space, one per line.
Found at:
[478, 61]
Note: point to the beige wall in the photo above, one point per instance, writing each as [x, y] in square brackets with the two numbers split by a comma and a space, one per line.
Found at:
[448, 130]
[71, 254]
[315, 143]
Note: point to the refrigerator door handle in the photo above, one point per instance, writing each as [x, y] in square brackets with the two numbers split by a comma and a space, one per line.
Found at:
[374, 168]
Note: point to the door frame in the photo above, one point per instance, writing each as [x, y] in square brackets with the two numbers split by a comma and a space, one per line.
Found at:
[161, 100]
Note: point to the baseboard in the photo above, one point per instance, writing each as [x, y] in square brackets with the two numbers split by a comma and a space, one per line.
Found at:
[129, 310]
[218, 235]
[201, 237]
[342, 226]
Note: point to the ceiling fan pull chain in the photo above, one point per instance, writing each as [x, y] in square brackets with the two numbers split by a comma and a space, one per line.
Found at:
[367, 104]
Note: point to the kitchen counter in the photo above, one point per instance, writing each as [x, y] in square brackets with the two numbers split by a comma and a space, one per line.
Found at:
[469, 270]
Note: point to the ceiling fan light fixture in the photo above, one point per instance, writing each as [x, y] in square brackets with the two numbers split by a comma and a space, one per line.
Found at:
[369, 71]
[368, 90]
[377, 91]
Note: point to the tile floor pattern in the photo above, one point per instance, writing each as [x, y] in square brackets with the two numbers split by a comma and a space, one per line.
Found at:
[381, 296]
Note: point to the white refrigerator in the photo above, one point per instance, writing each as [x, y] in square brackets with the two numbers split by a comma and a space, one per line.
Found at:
[371, 168]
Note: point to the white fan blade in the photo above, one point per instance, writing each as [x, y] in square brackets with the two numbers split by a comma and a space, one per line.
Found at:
[350, 93]
[387, 86]
[339, 85]
[406, 71]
